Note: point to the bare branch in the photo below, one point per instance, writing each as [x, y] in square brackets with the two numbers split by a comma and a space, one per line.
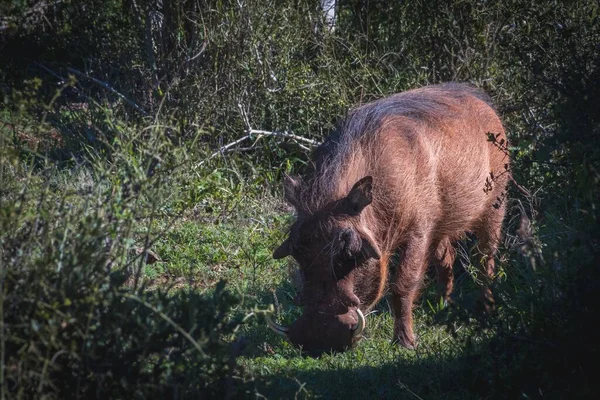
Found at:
[223, 149]
[61, 80]
[260, 133]
[286, 135]
[245, 116]
[109, 88]
[202, 49]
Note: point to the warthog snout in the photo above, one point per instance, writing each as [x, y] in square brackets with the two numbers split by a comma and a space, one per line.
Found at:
[317, 332]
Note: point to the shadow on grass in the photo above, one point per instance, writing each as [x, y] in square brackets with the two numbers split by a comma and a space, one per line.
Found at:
[480, 361]
[408, 376]
[493, 368]
[489, 356]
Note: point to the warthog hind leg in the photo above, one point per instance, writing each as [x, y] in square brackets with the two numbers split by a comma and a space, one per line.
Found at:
[443, 260]
[489, 234]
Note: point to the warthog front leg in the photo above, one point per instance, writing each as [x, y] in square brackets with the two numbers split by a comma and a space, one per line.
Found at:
[405, 288]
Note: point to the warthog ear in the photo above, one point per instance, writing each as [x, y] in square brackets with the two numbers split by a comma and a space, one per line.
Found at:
[361, 195]
[283, 250]
[291, 188]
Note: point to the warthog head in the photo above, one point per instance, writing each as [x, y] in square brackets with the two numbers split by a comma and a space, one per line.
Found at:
[338, 259]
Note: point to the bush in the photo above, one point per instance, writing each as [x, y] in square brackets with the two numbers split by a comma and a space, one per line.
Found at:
[76, 319]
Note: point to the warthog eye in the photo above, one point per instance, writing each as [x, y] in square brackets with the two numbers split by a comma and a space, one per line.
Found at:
[349, 244]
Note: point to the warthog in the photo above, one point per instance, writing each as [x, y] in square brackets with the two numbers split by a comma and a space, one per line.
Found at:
[409, 174]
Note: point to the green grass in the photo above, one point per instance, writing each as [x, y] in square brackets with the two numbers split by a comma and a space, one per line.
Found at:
[203, 248]
[375, 368]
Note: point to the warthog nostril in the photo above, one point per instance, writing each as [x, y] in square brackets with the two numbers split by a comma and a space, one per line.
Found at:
[351, 300]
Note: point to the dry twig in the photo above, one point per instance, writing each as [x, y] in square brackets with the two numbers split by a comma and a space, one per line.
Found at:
[258, 133]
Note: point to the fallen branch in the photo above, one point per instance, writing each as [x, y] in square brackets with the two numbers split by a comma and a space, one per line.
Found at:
[286, 135]
[259, 134]
[109, 88]
[62, 81]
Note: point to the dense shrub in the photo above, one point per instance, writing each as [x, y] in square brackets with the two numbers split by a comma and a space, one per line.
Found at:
[76, 320]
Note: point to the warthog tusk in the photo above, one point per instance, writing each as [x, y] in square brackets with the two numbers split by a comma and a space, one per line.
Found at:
[278, 329]
[357, 330]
